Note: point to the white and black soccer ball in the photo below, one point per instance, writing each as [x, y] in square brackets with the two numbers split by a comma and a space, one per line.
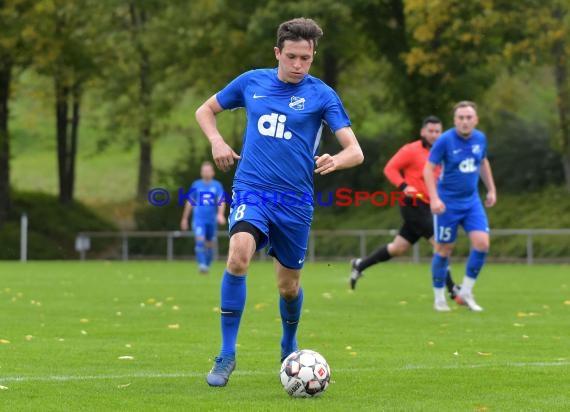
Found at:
[305, 374]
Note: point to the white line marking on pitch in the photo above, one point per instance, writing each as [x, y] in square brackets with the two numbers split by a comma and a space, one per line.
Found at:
[63, 378]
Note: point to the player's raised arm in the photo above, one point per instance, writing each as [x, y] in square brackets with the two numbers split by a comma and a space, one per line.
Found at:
[350, 155]
[222, 153]
[487, 176]
[437, 206]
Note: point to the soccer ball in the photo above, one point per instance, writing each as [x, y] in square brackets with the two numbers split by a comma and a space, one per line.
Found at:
[305, 374]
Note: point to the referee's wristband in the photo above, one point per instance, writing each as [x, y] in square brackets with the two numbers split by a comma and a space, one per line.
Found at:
[403, 186]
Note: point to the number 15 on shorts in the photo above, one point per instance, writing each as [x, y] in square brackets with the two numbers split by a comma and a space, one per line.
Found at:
[444, 234]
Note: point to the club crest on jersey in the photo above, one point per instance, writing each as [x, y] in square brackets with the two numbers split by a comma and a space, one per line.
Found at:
[297, 103]
[476, 149]
[273, 125]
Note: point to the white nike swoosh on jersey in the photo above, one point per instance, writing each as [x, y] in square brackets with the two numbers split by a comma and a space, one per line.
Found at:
[258, 96]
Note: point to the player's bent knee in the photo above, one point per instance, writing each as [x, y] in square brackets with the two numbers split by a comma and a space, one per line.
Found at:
[238, 261]
[480, 242]
[481, 246]
[443, 249]
[397, 249]
[290, 291]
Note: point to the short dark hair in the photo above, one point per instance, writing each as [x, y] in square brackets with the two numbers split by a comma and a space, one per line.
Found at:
[299, 29]
[464, 103]
[431, 119]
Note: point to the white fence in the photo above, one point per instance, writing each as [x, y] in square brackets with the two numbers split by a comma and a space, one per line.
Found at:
[83, 240]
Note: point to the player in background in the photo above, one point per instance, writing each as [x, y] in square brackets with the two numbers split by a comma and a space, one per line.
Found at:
[286, 111]
[405, 171]
[462, 153]
[206, 194]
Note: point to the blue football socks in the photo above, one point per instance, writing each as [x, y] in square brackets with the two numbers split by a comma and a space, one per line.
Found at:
[200, 251]
[475, 262]
[439, 266]
[209, 255]
[290, 314]
[233, 292]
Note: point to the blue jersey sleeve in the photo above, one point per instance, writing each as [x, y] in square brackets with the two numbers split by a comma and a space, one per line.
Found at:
[437, 152]
[232, 96]
[335, 115]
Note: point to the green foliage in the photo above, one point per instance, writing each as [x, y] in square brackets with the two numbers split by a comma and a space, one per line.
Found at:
[52, 228]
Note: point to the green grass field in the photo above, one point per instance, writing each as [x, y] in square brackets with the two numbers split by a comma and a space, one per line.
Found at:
[65, 329]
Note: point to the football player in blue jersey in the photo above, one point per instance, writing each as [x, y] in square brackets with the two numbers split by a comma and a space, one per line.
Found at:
[286, 111]
[206, 204]
[462, 152]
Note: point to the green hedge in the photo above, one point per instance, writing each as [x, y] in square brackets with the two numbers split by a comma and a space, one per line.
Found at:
[52, 227]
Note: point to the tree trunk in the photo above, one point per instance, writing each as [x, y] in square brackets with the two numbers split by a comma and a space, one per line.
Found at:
[138, 21]
[61, 94]
[561, 64]
[5, 77]
[72, 155]
[67, 128]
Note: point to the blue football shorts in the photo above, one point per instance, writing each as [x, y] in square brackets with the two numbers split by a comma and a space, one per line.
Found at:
[207, 230]
[285, 227]
[472, 218]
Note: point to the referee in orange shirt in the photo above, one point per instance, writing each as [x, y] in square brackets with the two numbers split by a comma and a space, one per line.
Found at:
[405, 171]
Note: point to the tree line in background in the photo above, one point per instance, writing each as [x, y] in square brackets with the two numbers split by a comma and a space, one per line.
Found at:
[393, 62]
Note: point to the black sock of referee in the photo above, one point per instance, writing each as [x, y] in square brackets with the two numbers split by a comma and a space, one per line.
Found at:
[378, 256]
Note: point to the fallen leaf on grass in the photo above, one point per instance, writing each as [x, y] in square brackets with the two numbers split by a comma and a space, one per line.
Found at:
[456, 353]
[3, 388]
[5, 341]
[126, 385]
[84, 320]
[126, 357]
[484, 353]
[260, 305]
[518, 325]
[84, 332]
[327, 295]
[567, 302]
[28, 337]
[174, 326]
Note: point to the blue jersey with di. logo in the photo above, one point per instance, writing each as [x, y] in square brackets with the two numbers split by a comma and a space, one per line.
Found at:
[284, 126]
[205, 197]
[461, 160]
